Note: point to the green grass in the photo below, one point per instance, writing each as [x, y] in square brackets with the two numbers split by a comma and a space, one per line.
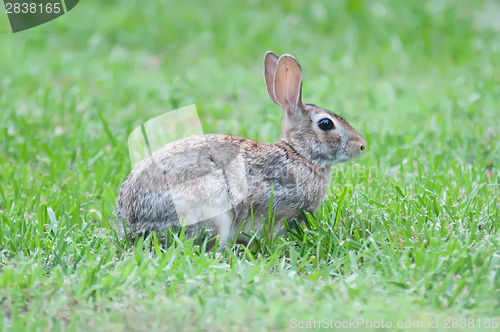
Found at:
[410, 231]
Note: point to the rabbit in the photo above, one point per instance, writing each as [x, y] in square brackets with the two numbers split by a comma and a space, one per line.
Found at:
[224, 184]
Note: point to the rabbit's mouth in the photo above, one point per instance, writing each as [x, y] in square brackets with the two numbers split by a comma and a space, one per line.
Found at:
[353, 150]
[348, 151]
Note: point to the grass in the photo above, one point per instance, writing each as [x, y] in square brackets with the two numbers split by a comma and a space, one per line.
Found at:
[409, 232]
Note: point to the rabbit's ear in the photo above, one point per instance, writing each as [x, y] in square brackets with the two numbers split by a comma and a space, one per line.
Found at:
[288, 85]
[270, 65]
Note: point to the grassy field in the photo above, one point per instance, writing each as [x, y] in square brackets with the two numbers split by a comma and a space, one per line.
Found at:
[409, 232]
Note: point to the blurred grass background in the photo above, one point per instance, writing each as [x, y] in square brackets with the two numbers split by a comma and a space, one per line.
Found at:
[415, 236]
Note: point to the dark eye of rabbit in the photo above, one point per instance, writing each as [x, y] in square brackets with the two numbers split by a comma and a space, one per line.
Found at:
[326, 124]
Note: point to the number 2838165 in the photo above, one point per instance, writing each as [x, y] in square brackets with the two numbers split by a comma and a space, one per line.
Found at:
[32, 8]
[471, 323]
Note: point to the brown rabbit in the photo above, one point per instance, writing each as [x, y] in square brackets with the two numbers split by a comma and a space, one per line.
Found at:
[224, 184]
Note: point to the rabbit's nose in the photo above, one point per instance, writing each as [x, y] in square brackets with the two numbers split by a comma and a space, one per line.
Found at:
[362, 147]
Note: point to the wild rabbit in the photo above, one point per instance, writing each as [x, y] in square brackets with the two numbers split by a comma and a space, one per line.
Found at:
[223, 184]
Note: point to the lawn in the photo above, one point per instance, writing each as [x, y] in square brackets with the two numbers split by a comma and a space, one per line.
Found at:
[409, 233]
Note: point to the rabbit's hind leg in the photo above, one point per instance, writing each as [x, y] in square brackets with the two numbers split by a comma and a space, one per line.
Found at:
[220, 226]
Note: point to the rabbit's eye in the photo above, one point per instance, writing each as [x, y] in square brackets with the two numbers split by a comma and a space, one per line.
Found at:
[326, 124]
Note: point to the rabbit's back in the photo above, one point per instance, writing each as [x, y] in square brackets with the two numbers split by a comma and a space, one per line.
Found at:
[198, 178]
[170, 185]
